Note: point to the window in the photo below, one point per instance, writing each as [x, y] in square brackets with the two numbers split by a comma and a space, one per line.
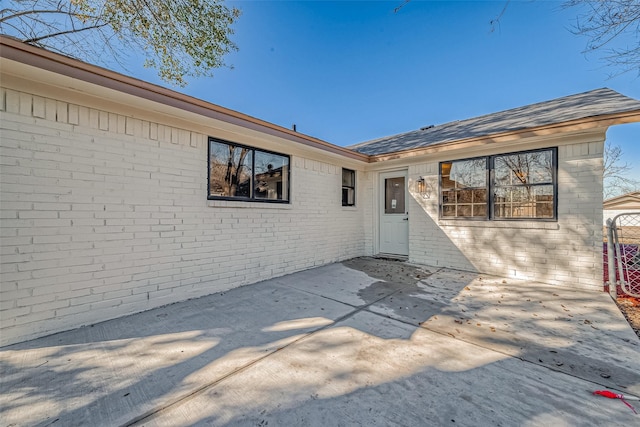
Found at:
[524, 185]
[238, 172]
[348, 187]
[507, 186]
[394, 195]
[464, 188]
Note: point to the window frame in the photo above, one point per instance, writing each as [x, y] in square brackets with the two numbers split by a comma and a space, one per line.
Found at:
[491, 187]
[253, 151]
[354, 174]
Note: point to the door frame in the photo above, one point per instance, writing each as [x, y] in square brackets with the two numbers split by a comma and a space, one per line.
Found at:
[379, 205]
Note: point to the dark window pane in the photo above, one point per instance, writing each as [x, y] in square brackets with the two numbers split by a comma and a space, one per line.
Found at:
[348, 178]
[448, 196]
[544, 210]
[445, 174]
[230, 170]
[394, 195]
[464, 210]
[348, 187]
[480, 196]
[348, 196]
[271, 176]
[449, 211]
[464, 196]
[479, 210]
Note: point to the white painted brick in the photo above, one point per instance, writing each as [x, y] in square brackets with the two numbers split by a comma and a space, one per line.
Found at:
[497, 252]
[11, 316]
[12, 101]
[26, 104]
[83, 116]
[3, 95]
[72, 310]
[124, 201]
[39, 109]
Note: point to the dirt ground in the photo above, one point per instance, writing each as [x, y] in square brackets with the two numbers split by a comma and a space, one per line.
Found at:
[630, 307]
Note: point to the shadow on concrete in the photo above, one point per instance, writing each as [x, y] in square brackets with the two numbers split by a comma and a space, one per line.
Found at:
[364, 342]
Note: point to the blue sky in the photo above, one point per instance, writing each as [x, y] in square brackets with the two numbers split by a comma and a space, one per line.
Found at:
[347, 72]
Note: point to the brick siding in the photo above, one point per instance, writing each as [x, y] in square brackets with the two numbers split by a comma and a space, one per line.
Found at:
[105, 215]
[567, 252]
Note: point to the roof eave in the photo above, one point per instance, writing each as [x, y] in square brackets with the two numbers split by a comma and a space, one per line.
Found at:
[633, 196]
[602, 121]
[18, 51]
[21, 52]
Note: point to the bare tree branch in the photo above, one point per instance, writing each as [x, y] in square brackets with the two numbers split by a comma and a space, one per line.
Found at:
[496, 21]
[397, 9]
[61, 33]
[615, 173]
[613, 27]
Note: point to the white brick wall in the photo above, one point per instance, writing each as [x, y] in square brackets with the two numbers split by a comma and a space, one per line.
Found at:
[567, 252]
[104, 215]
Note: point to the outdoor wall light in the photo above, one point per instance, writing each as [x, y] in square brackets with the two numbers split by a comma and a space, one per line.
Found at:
[423, 188]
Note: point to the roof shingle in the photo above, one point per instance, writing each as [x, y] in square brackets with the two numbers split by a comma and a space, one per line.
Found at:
[594, 103]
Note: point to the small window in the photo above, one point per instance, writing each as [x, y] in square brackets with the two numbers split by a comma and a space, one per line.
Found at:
[238, 172]
[348, 187]
[507, 186]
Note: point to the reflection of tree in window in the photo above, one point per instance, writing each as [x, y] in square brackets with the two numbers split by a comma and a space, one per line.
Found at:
[230, 173]
[524, 185]
[247, 173]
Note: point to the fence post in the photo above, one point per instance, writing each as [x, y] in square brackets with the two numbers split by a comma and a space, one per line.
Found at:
[613, 283]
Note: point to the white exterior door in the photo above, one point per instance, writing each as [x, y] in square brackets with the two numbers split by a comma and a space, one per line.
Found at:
[394, 213]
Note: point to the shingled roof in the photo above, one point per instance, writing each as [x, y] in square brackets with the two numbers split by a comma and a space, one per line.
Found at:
[599, 102]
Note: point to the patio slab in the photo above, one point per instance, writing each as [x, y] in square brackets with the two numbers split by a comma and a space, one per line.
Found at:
[364, 342]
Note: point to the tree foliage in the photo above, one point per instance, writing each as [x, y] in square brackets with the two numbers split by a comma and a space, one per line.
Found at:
[615, 173]
[613, 27]
[179, 38]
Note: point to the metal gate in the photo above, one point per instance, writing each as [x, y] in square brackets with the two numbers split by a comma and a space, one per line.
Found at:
[622, 261]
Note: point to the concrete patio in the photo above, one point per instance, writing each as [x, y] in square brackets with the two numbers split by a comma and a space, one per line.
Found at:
[364, 342]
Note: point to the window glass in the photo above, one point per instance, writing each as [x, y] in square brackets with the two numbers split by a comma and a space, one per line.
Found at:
[524, 202]
[464, 188]
[348, 178]
[524, 168]
[244, 173]
[465, 173]
[348, 187]
[394, 195]
[271, 175]
[230, 170]
[523, 185]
